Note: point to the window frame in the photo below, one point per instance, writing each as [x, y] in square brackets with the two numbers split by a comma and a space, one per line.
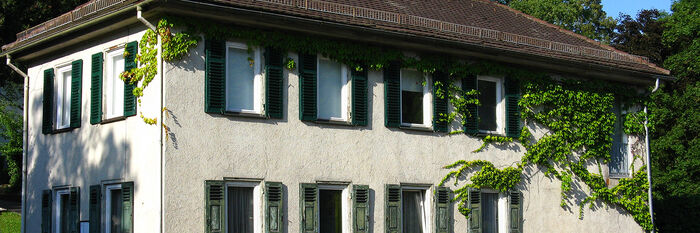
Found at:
[345, 202]
[258, 208]
[500, 104]
[108, 93]
[57, 204]
[60, 84]
[108, 205]
[427, 207]
[258, 82]
[344, 90]
[427, 101]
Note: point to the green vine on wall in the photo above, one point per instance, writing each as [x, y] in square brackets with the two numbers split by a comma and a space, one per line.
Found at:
[576, 113]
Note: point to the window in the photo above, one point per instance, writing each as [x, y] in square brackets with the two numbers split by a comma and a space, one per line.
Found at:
[495, 212]
[243, 79]
[114, 85]
[332, 90]
[243, 207]
[63, 97]
[61, 213]
[415, 211]
[331, 209]
[416, 108]
[118, 213]
[113, 208]
[327, 208]
[491, 111]
[619, 154]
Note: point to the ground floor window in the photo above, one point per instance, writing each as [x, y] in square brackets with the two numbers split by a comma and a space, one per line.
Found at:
[61, 212]
[331, 207]
[241, 206]
[414, 210]
[113, 208]
[494, 212]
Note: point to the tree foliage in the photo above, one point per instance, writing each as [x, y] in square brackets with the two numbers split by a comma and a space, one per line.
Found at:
[585, 17]
[642, 36]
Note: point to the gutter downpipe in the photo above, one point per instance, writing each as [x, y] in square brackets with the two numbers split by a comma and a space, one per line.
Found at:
[25, 136]
[646, 135]
[159, 67]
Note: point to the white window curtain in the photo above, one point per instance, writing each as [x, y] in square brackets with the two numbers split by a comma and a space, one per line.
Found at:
[115, 85]
[413, 211]
[240, 80]
[240, 209]
[331, 81]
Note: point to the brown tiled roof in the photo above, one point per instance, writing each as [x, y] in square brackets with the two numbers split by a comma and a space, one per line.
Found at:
[479, 22]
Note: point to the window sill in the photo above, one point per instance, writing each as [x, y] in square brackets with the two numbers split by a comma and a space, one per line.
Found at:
[333, 122]
[113, 119]
[619, 176]
[245, 114]
[63, 130]
[423, 128]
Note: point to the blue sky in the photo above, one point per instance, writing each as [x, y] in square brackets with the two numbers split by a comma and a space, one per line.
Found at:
[631, 7]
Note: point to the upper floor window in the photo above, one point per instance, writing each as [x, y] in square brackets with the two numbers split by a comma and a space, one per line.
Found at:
[619, 151]
[63, 97]
[492, 110]
[114, 85]
[415, 99]
[243, 79]
[332, 90]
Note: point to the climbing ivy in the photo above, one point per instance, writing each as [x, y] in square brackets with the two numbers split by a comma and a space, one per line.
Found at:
[576, 113]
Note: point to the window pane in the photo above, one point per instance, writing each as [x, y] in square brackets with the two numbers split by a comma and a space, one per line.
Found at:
[618, 155]
[487, 110]
[240, 210]
[63, 228]
[489, 213]
[65, 96]
[115, 86]
[411, 97]
[239, 80]
[330, 208]
[330, 84]
[412, 203]
[115, 215]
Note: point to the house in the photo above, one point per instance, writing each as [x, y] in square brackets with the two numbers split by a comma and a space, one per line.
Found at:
[251, 138]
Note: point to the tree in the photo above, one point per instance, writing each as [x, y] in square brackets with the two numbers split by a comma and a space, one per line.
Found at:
[585, 17]
[642, 36]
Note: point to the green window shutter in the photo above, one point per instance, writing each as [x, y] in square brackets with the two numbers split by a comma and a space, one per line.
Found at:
[475, 206]
[74, 210]
[512, 92]
[96, 89]
[359, 97]
[471, 125]
[307, 87]
[360, 208]
[516, 212]
[127, 207]
[215, 76]
[46, 211]
[440, 104]
[309, 208]
[274, 92]
[443, 215]
[131, 50]
[214, 206]
[76, 93]
[274, 203]
[393, 208]
[47, 118]
[392, 95]
[95, 220]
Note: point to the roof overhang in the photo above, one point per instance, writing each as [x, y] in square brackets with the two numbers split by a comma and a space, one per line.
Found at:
[250, 17]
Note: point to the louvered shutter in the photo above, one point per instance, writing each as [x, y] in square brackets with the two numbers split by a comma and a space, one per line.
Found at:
[359, 97]
[440, 104]
[471, 125]
[46, 211]
[512, 92]
[214, 209]
[274, 92]
[76, 93]
[307, 87]
[475, 206]
[393, 208]
[274, 199]
[95, 218]
[96, 89]
[443, 216]
[131, 50]
[309, 208]
[392, 95]
[74, 210]
[360, 208]
[516, 212]
[47, 118]
[215, 76]
[127, 207]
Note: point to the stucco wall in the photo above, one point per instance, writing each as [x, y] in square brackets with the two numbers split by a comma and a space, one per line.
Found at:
[125, 150]
[203, 146]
